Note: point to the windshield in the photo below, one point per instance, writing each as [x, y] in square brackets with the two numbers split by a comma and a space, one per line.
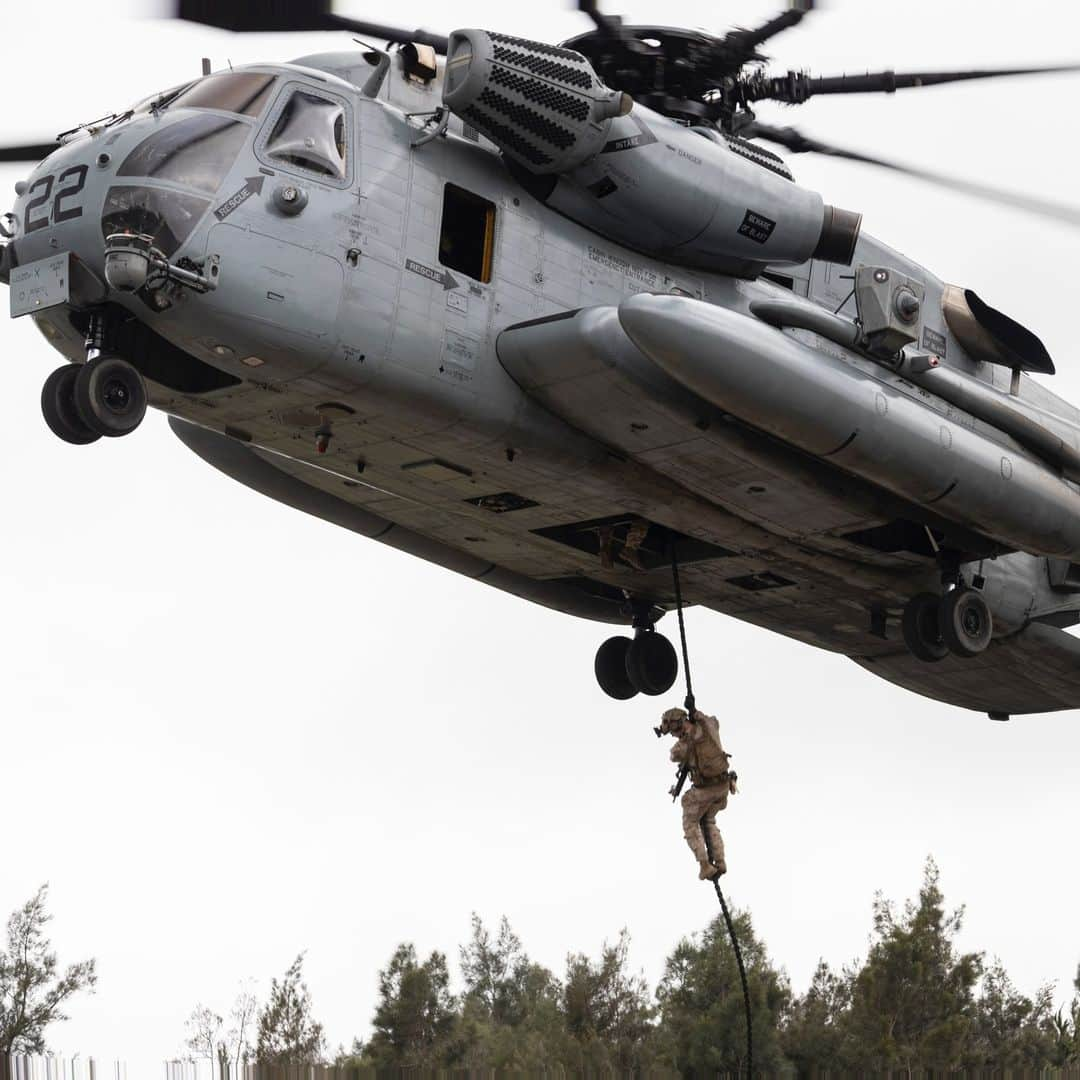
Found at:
[196, 152]
[242, 92]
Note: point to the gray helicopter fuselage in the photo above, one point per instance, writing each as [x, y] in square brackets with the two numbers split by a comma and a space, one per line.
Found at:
[339, 309]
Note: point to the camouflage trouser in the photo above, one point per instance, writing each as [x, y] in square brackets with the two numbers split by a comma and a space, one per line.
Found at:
[699, 803]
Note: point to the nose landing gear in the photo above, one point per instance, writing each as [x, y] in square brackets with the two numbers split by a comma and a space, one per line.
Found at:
[58, 408]
[645, 664]
[105, 396]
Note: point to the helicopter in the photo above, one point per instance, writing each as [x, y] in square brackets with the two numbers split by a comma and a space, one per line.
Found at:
[553, 317]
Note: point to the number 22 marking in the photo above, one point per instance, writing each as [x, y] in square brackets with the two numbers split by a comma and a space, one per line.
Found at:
[77, 175]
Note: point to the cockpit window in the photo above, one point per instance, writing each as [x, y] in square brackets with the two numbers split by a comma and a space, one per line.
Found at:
[243, 92]
[196, 152]
[167, 217]
[310, 134]
[158, 100]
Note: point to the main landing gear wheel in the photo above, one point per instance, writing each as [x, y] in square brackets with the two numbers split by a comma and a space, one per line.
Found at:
[110, 396]
[610, 668]
[966, 622]
[58, 408]
[921, 626]
[651, 663]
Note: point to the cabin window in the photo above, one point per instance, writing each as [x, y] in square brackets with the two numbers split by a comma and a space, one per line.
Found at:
[467, 237]
[309, 134]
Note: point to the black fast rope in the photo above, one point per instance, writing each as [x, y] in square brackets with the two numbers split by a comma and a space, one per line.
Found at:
[738, 960]
[701, 824]
[682, 631]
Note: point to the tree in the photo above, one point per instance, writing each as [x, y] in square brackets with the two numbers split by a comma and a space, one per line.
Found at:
[607, 1009]
[287, 1032]
[812, 1035]
[203, 1029]
[510, 1016]
[702, 1014]
[238, 1037]
[208, 1038]
[415, 1013]
[32, 993]
[488, 967]
[1010, 1030]
[912, 1002]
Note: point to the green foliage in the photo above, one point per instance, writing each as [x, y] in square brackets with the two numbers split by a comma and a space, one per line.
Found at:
[912, 1001]
[607, 1011]
[917, 1005]
[415, 1015]
[702, 1014]
[814, 1033]
[1010, 1030]
[511, 1018]
[32, 993]
[287, 1032]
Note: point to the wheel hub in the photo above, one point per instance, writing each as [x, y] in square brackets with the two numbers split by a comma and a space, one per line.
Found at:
[116, 396]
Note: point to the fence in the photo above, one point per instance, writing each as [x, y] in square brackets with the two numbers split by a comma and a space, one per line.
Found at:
[206, 1070]
[52, 1067]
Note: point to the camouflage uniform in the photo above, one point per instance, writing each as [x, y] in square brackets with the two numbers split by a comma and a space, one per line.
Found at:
[713, 781]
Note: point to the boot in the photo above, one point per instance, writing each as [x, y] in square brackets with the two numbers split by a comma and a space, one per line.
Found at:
[708, 871]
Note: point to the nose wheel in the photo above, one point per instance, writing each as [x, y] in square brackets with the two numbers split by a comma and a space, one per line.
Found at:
[644, 664]
[58, 408]
[959, 622]
[105, 396]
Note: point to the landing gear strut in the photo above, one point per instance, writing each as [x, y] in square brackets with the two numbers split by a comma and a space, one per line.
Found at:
[105, 396]
[644, 664]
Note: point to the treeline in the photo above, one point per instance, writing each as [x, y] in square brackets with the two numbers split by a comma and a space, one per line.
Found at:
[916, 1002]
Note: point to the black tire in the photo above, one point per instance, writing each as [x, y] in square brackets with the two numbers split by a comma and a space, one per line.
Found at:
[651, 663]
[610, 668]
[966, 623]
[921, 626]
[110, 396]
[58, 408]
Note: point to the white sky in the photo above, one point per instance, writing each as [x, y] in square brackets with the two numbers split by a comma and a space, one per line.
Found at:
[229, 732]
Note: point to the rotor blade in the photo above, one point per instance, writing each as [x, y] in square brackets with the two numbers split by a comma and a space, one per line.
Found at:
[745, 42]
[609, 26]
[797, 143]
[795, 87]
[294, 15]
[32, 152]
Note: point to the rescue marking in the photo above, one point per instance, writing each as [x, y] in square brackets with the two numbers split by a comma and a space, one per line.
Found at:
[440, 277]
[253, 185]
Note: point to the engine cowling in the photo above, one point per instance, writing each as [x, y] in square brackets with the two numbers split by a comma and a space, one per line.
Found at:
[629, 173]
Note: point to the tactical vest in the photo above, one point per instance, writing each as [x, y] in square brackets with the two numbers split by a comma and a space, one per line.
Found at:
[708, 762]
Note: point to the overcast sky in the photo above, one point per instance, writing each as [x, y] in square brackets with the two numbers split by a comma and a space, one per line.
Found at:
[230, 732]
